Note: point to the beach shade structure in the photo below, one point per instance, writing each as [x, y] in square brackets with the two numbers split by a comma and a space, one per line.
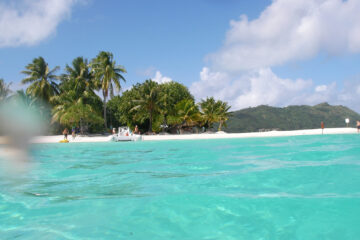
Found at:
[347, 121]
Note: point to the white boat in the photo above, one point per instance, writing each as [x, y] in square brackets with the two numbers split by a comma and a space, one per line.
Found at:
[125, 134]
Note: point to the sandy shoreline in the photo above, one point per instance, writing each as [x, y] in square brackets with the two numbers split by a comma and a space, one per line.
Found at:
[100, 138]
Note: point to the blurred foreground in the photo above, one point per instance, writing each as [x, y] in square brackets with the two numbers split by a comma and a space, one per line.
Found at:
[18, 124]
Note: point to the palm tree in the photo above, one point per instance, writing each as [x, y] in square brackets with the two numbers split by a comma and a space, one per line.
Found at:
[4, 90]
[70, 109]
[107, 75]
[164, 106]
[186, 114]
[42, 80]
[214, 111]
[34, 104]
[209, 111]
[26, 99]
[78, 77]
[148, 101]
[223, 114]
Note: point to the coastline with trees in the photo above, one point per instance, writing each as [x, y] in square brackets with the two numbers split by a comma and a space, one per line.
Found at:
[87, 96]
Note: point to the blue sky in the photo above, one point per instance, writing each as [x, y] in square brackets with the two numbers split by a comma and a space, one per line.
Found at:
[172, 36]
[204, 44]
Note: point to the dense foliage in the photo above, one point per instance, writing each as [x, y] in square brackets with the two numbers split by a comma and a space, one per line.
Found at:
[214, 111]
[161, 107]
[71, 99]
[264, 118]
[4, 89]
[43, 81]
[107, 76]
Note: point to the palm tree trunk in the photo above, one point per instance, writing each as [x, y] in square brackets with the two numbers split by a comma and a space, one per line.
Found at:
[150, 125]
[220, 125]
[81, 127]
[105, 112]
[111, 125]
[165, 123]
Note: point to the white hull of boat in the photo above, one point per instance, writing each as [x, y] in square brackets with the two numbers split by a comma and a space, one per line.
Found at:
[127, 138]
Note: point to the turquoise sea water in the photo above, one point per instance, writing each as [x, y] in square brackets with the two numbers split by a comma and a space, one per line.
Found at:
[305, 187]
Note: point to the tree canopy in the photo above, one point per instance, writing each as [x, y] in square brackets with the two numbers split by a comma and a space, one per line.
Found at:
[42, 80]
[107, 76]
[71, 98]
[4, 89]
[168, 106]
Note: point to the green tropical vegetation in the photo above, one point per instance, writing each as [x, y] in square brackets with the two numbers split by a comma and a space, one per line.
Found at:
[85, 95]
[72, 99]
[37, 106]
[172, 93]
[214, 112]
[186, 114]
[264, 118]
[72, 110]
[147, 102]
[158, 107]
[107, 76]
[42, 80]
[4, 90]
[77, 103]
[223, 114]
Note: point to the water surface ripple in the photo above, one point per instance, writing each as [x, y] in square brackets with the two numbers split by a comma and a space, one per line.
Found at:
[305, 187]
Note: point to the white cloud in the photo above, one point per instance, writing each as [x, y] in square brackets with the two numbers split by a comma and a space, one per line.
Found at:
[159, 78]
[267, 88]
[26, 22]
[263, 86]
[321, 88]
[350, 94]
[285, 31]
[147, 72]
[290, 30]
[250, 89]
[329, 93]
[216, 84]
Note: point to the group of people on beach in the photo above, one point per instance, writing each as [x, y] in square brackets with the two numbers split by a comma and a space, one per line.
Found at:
[357, 126]
[73, 132]
[136, 130]
[66, 132]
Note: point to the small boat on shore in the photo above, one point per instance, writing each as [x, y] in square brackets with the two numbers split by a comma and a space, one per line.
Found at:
[125, 134]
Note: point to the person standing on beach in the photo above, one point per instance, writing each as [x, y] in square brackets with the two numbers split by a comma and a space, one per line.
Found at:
[136, 130]
[65, 132]
[358, 126]
[322, 127]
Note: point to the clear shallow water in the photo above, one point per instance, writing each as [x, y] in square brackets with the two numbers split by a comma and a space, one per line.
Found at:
[305, 187]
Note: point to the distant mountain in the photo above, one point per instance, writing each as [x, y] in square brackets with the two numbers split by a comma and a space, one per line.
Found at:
[265, 118]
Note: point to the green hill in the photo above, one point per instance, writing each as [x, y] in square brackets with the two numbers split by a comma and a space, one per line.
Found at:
[264, 118]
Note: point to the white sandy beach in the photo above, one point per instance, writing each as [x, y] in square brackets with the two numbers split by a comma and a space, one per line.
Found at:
[100, 138]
